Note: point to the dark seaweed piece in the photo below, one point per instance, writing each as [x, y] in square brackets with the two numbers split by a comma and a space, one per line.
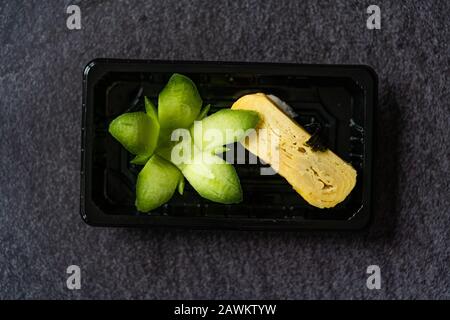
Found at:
[317, 142]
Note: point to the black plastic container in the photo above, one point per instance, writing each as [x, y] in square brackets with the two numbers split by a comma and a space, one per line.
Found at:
[341, 99]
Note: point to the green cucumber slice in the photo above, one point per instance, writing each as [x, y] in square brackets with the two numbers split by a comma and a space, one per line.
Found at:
[150, 109]
[181, 185]
[156, 183]
[140, 159]
[213, 178]
[223, 127]
[136, 131]
[179, 103]
[204, 112]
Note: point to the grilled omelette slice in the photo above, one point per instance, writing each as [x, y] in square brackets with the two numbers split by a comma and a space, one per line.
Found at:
[320, 177]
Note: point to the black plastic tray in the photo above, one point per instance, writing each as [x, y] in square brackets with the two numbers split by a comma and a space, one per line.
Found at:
[339, 98]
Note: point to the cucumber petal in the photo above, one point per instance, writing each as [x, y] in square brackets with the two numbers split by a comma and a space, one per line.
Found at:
[150, 109]
[136, 131]
[213, 178]
[223, 127]
[204, 112]
[156, 183]
[181, 185]
[179, 103]
[140, 159]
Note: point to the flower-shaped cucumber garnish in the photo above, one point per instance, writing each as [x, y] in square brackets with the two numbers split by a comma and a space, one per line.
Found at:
[149, 136]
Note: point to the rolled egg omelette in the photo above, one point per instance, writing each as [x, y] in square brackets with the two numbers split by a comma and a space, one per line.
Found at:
[320, 177]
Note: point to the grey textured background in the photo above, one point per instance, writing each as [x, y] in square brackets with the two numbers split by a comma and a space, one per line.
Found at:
[41, 232]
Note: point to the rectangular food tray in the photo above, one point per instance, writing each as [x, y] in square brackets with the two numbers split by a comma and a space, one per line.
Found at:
[340, 99]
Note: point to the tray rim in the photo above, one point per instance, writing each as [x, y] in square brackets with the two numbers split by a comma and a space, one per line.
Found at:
[93, 216]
